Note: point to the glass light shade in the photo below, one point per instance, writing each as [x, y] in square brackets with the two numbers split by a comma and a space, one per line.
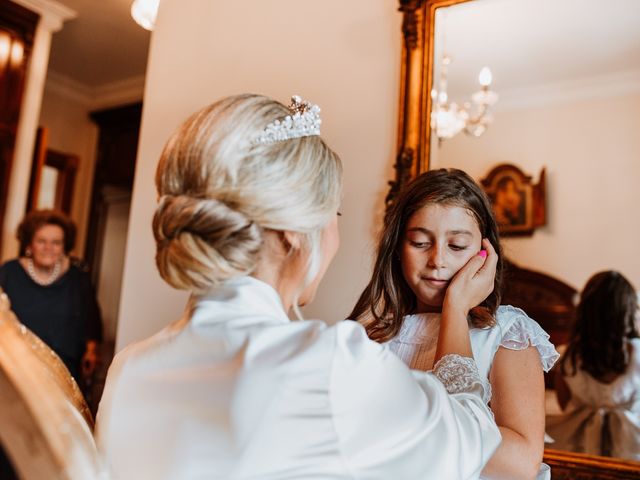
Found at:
[485, 77]
[144, 12]
[17, 53]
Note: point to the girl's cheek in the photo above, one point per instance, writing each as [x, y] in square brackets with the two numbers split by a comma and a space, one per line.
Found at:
[465, 258]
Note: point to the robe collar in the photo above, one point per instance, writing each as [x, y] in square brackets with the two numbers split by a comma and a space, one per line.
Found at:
[240, 300]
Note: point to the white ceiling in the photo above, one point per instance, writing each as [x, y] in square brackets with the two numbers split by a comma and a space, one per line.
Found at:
[525, 42]
[102, 45]
[529, 43]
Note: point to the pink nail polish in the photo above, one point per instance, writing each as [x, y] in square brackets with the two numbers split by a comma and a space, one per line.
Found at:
[483, 253]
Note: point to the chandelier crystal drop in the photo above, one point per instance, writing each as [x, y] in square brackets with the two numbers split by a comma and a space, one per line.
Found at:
[449, 118]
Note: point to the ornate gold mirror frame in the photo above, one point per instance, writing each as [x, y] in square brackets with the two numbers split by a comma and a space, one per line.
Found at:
[416, 81]
[414, 140]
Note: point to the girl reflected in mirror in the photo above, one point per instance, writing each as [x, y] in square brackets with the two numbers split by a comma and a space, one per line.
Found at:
[439, 221]
[598, 379]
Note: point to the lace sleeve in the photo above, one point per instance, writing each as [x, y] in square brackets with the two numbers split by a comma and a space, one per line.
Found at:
[525, 332]
[460, 375]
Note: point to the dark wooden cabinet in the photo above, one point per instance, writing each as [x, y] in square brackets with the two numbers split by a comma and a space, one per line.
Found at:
[17, 29]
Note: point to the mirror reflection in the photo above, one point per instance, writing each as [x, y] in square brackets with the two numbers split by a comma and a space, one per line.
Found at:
[565, 85]
[47, 194]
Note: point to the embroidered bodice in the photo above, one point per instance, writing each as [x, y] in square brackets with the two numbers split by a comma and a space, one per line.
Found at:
[418, 337]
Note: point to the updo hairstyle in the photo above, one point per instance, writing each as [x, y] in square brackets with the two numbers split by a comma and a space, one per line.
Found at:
[219, 192]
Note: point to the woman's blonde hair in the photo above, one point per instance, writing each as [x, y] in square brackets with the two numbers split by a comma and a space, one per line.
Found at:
[219, 191]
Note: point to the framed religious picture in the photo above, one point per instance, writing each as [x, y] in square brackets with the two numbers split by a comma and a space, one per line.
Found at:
[518, 203]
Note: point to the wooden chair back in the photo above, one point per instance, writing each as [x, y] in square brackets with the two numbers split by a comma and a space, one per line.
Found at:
[45, 424]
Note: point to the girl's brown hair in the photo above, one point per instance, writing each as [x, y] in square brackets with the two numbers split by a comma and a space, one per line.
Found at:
[387, 299]
[605, 321]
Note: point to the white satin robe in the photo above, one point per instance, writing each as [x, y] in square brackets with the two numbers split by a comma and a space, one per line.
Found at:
[236, 390]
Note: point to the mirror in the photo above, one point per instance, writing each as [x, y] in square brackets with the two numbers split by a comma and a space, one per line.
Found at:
[52, 177]
[567, 75]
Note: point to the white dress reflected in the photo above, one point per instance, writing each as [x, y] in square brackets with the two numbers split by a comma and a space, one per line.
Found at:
[601, 418]
[514, 329]
[236, 390]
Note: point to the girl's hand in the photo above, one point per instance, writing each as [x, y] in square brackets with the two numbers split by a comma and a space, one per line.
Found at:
[474, 282]
[468, 288]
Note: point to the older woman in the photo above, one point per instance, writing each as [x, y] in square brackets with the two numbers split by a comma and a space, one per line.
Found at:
[51, 293]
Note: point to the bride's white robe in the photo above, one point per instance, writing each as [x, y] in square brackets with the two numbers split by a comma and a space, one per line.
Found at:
[235, 390]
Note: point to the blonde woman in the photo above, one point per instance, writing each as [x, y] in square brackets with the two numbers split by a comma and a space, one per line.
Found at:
[247, 221]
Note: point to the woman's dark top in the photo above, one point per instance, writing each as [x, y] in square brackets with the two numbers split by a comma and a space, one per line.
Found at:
[64, 314]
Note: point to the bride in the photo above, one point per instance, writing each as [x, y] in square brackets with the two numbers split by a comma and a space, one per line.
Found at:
[247, 222]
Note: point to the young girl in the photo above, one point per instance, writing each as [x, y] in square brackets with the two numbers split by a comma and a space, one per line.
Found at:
[436, 225]
[598, 381]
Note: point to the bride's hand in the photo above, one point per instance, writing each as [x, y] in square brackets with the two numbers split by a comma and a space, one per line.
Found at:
[474, 282]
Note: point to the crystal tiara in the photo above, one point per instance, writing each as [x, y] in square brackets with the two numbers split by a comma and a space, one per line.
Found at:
[304, 121]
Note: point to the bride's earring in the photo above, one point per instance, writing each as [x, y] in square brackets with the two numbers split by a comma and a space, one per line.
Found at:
[27, 252]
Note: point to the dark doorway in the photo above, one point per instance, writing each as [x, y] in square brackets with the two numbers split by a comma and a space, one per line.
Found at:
[118, 131]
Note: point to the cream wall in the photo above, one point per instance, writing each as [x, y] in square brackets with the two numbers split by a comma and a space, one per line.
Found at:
[71, 131]
[344, 56]
[591, 150]
[112, 260]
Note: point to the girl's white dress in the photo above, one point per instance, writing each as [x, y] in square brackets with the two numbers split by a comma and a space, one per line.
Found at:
[416, 343]
[236, 390]
[601, 418]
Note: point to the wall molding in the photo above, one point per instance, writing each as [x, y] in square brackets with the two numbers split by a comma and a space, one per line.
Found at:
[121, 92]
[53, 14]
[111, 94]
[598, 87]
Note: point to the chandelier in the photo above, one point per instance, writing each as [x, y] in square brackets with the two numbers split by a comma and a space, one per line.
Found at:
[448, 119]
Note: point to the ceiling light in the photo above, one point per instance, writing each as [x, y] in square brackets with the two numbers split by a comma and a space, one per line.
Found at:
[449, 118]
[144, 12]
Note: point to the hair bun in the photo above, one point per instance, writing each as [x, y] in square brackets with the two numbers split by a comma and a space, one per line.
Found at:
[203, 241]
